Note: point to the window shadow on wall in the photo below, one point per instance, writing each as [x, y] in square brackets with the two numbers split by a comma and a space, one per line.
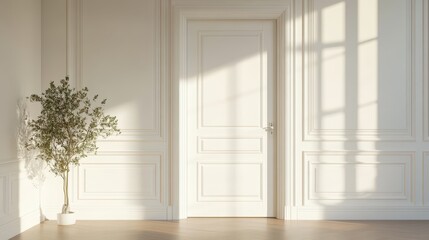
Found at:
[360, 62]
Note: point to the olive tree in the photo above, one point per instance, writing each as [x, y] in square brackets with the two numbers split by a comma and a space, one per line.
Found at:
[67, 129]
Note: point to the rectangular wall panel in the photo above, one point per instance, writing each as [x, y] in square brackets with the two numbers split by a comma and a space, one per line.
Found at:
[24, 196]
[119, 58]
[360, 56]
[120, 178]
[14, 191]
[4, 195]
[19, 200]
[358, 176]
[425, 178]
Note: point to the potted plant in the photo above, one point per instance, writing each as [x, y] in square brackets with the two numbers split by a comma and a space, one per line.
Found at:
[66, 131]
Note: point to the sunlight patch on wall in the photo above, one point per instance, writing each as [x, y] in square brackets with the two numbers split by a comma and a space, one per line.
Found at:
[367, 79]
[333, 27]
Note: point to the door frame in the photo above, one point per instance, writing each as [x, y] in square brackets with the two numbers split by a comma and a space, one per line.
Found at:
[241, 10]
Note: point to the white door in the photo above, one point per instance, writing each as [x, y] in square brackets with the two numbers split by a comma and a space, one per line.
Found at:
[230, 76]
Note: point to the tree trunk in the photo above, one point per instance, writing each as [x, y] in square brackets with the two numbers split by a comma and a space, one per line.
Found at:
[66, 207]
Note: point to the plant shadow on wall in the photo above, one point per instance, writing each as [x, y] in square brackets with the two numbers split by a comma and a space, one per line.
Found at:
[359, 72]
[66, 131]
[35, 168]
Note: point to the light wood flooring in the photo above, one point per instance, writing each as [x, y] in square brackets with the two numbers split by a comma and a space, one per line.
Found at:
[230, 229]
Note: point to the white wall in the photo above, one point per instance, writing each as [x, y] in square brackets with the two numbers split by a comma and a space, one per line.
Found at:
[20, 76]
[53, 41]
[360, 123]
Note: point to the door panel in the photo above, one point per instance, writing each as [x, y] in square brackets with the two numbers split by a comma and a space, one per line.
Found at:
[230, 76]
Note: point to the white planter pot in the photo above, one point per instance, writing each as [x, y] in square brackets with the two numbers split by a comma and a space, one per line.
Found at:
[66, 219]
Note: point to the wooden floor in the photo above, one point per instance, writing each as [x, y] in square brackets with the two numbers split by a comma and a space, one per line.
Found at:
[230, 229]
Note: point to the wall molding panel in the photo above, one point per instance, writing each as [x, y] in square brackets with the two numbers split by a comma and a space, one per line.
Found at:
[76, 64]
[425, 178]
[8, 173]
[19, 206]
[3, 200]
[129, 170]
[311, 90]
[341, 177]
[140, 189]
[14, 193]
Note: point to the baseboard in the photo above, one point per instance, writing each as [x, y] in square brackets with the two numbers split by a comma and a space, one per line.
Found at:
[360, 213]
[19, 225]
[27, 221]
[289, 213]
[114, 213]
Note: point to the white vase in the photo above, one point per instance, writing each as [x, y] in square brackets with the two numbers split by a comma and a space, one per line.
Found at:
[66, 219]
